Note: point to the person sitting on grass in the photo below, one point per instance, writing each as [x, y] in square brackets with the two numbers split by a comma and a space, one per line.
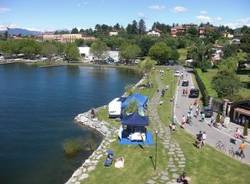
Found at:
[172, 126]
[183, 179]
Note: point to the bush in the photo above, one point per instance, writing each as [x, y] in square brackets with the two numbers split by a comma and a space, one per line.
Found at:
[205, 96]
[245, 131]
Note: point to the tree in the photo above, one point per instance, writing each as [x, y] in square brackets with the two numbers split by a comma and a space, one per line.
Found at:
[245, 130]
[141, 27]
[146, 65]
[132, 107]
[132, 28]
[174, 55]
[129, 51]
[229, 50]
[160, 52]
[192, 31]
[162, 27]
[30, 48]
[72, 52]
[74, 31]
[226, 83]
[99, 49]
[48, 50]
[245, 40]
[145, 42]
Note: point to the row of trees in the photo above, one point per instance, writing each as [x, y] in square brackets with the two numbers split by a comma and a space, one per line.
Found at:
[32, 49]
[129, 51]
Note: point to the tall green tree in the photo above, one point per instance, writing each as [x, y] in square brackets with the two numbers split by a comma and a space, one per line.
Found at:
[74, 31]
[48, 50]
[245, 40]
[129, 52]
[141, 27]
[72, 52]
[99, 49]
[160, 52]
[146, 65]
[226, 83]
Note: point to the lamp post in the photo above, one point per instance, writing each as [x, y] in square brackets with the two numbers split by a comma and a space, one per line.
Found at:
[156, 139]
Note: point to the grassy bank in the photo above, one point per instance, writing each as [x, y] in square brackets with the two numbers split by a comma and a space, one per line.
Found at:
[138, 167]
[206, 165]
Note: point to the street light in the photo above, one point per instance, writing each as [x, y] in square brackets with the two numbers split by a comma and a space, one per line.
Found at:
[156, 138]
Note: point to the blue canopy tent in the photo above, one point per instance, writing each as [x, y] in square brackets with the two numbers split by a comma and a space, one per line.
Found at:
[141, 100]
[133, 130]
[135, 120]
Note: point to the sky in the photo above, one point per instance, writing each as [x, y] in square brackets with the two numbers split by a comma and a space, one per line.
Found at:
[49, 15]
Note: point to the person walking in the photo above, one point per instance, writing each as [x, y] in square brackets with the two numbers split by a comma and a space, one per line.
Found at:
[242, 148]
[203, 139]
[202, 116]
[183, 121]
[211, 122]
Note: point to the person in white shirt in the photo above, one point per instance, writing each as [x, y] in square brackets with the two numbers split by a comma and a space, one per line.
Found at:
[204, 137]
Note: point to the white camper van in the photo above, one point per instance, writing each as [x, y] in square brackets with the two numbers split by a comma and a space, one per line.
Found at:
[114, 108]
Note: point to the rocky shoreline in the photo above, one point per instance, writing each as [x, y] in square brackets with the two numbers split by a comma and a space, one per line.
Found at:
[109, 134]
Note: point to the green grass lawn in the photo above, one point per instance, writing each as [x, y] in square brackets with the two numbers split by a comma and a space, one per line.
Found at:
[207, 79]
[206, 166]
[138, 167]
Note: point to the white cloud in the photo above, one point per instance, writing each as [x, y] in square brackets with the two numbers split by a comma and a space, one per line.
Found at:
[204, 18]
[4, 9]
[203, 12]
[218, 18]
[239, 23]
[157, 7]
[5, 26]
[179, 9]
[82, 3]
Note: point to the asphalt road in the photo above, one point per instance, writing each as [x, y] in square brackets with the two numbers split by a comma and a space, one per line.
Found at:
[181, 108]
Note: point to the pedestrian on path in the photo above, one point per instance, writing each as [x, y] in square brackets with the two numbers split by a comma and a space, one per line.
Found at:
[183, 121]
[190, 107]
[204, 137]
[211, 122]
[198, 141]
[242, 148]
[202, 116]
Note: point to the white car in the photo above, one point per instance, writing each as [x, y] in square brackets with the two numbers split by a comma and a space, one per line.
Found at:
[177, 73]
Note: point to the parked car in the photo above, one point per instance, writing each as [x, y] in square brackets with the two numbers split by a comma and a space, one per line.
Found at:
[185, 83]
[194, 93]
[208, 111]
[177, 73]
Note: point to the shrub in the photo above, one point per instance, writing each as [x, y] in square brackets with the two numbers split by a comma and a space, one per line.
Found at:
[245, 131]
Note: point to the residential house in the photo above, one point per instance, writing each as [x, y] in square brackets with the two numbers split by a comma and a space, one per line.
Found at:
[113, 33]
[154, 32]
[177, 30]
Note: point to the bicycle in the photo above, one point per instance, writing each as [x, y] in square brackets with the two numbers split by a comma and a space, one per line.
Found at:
[232, 152]
[220, 146]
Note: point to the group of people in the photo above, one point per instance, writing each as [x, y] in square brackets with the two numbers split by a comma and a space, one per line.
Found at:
[185, 91]
[200, 139]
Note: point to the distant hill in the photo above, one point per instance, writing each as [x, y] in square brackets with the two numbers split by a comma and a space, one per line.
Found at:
[23, 32]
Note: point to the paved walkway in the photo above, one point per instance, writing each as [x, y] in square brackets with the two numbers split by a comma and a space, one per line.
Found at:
[213, 134]
[177, 161]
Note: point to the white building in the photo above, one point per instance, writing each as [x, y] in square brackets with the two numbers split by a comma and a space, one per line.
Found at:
[113, 33]
[154, 33]
[88, 56]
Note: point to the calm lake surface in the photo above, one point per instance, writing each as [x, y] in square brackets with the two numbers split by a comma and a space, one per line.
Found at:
[37, 107]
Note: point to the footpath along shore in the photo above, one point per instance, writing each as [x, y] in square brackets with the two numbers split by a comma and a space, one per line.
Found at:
[109, 134]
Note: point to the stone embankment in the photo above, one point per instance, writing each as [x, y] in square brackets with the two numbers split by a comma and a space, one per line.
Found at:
[89, 164]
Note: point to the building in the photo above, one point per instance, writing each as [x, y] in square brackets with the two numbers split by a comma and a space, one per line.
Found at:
[217, 53]
[228, 35]
[113, 33]
[65, 37]
[154, 32]
[87, 56]
[177, 30]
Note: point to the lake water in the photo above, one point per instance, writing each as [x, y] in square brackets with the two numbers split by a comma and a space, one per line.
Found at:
[37, 108]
